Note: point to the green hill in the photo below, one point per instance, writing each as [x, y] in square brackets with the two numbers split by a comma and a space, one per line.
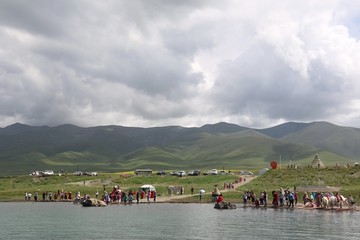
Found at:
[24, 148]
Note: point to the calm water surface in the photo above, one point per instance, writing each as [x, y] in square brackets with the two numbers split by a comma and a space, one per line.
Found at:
[171, 221]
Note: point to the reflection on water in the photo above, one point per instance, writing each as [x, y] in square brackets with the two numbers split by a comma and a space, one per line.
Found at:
[171, 221]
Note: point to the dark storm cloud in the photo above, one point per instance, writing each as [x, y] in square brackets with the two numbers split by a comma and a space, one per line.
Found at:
[40, 17]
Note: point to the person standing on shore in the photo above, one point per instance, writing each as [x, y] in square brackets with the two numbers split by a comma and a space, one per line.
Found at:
[265, 198]
[220, 199]
[291, 200]
[351, 200]
[245, 195]
[275, 199]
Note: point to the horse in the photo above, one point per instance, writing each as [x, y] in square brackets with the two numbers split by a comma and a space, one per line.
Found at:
[337, 202]
[333, 201]
[325, 202]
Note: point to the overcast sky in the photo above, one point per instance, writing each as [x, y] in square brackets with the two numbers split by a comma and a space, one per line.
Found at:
[188, 63]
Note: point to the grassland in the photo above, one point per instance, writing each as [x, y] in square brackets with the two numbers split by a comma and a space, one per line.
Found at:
[13, 188]
[347, 180]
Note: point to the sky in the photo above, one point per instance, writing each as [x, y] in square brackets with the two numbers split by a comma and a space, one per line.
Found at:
[185, 63]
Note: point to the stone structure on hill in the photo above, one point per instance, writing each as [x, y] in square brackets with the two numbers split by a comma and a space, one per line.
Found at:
[317, 163]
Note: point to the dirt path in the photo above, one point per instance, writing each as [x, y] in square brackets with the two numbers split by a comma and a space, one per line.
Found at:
[177, 197]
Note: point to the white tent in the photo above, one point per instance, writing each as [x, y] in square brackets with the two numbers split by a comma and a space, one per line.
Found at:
[148, 187]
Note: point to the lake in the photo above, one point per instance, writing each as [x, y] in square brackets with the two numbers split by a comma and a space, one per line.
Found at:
[171, 221]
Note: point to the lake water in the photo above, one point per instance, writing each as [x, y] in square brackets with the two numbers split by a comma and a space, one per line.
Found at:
[171, 221]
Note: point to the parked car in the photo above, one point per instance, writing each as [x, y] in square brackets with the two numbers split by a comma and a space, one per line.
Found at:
[174, 173]
[78, 173]
[181, 173]
[213, 172]
[246, 173]
[223, 172]
[161, 173]
[89, 173]
[48, 172]
[37, 174]
[194, 173]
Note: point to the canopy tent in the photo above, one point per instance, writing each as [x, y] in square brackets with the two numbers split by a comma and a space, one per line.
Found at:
[147, 187]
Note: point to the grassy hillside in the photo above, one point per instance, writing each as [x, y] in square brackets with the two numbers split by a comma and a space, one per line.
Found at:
[24, 149]
[345, 180]
[328, 137]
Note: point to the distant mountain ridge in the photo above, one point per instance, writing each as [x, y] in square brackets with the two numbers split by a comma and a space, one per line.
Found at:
[283, 129]
[25, 148]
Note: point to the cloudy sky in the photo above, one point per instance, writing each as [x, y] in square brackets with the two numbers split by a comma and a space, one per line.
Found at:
[191, 62]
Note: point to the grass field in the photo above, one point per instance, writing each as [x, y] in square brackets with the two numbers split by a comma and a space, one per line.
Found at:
[14, 188]
[347, 180]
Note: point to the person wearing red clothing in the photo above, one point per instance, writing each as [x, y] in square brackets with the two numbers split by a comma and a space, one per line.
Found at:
[220, 199]
[275, 199]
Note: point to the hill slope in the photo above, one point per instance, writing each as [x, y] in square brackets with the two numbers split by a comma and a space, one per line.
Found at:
[26, 148]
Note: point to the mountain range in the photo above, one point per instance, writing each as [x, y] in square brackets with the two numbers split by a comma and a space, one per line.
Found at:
[25, 148]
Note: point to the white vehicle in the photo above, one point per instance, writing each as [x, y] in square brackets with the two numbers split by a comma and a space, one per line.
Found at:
[37, 173]
[78, 173]
[214, 172]
[48, 172]
[246, 173]
[181, 173]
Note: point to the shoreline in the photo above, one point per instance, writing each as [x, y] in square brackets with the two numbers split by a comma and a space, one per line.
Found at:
[238, 205]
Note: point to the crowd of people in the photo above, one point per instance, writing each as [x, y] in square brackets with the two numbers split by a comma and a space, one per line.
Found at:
[280, 198]
[290, 199]
[49, 196]
[285, 198]
[117, 196]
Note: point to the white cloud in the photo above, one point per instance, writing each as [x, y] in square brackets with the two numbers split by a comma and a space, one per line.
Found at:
[155, 63]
